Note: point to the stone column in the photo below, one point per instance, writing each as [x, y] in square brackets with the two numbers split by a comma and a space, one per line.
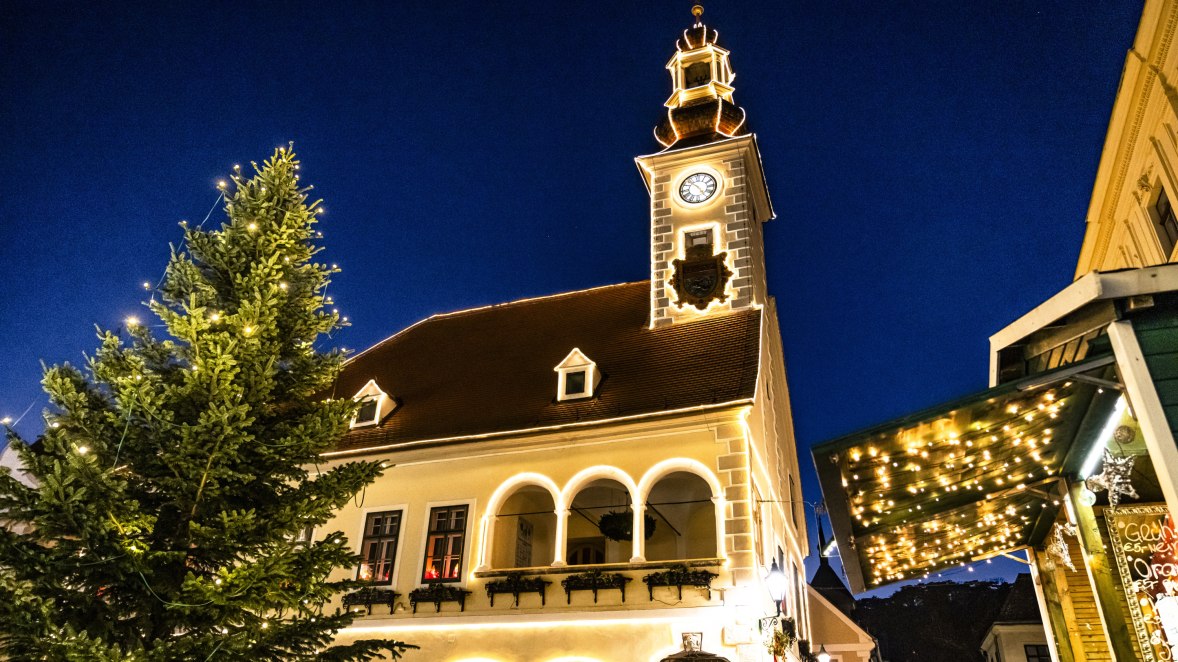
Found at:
[638, 544]
[562, 533]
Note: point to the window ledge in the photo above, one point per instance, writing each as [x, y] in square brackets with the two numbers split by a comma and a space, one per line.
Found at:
[604, 567]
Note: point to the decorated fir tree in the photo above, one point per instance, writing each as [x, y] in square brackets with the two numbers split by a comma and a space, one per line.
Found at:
[178, 470]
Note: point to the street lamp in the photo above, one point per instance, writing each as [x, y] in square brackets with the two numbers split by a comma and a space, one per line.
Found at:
[777, 583]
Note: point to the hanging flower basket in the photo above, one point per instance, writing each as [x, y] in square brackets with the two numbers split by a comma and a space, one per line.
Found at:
[780, 640]
[619, 526]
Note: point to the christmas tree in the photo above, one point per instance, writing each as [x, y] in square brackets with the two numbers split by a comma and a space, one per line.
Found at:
[177, 471]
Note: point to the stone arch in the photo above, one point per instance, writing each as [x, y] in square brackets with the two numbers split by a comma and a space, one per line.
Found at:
[583, 481]
[500, 496]
[667, 467]
[586, 476]
[691, 517]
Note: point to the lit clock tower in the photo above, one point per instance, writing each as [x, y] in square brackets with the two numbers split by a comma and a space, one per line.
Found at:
[707, 191]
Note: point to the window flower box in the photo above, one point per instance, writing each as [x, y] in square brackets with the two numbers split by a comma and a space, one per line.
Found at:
[515, 584]
[595, 581]
[369, 596]
[437, 594]
[680, 576]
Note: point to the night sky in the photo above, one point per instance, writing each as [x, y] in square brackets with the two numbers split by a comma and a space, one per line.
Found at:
[930, 164]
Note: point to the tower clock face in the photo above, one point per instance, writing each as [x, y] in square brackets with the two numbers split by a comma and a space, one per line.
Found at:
[697, 188]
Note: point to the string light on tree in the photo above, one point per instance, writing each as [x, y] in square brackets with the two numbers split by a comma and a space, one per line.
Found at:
[188, 427]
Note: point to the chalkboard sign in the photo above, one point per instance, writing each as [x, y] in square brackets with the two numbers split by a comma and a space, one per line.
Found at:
[1145, 545]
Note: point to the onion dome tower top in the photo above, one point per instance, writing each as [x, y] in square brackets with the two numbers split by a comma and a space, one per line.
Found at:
[700, 109]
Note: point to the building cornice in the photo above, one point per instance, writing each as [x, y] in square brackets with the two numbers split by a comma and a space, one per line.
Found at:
[529, 432]
[1137, 91]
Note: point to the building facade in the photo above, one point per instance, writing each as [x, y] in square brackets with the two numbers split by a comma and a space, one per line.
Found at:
[1069, 459]
[1017, 633]
[598, 475]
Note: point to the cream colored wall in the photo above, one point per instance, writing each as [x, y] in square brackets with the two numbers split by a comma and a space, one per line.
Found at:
[631, 639]
[476, 473]
[1140, 155]
[1008, 639]
[473, 472]
[773, 460]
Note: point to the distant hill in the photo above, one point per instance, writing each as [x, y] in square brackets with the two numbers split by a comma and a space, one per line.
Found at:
[933, 622]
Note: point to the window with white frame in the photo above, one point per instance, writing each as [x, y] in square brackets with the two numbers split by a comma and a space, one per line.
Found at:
[444, 545]
[577, 377]
[375, 405]
[378, 548]
[1166, 222]
[305, 535]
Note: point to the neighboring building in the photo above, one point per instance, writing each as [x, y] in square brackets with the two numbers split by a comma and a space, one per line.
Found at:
[848, 642]
[1017, 634]
[832, 607]
[1071, 454]
[1131, 218]
[611, 437]
[826, 581]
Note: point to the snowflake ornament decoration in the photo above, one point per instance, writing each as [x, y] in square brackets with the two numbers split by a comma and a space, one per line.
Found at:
[1114, 477]
[1057, 547]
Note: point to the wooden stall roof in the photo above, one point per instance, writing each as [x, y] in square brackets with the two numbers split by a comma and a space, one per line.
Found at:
[960, 481]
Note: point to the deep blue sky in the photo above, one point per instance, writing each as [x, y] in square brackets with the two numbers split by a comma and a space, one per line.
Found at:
[930, 164]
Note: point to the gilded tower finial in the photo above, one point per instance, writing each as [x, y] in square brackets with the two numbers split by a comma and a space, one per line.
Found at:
[697, 11]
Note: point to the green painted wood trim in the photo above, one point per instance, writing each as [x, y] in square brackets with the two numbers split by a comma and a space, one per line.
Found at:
[1100, 573]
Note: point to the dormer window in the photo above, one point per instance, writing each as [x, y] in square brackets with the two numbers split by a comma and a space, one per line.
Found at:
[375, 405]
[577, 377]
[369, 407]
[574, 384]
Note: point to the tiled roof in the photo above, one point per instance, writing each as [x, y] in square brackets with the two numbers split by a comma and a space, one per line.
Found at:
[490, 370]
[1021, 606]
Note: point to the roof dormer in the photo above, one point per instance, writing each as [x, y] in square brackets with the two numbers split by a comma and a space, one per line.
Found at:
[375, 405]
[577, 377]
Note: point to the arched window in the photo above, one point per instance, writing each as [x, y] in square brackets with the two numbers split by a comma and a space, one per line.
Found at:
[592, 539]
[525, 529]
[685, 518]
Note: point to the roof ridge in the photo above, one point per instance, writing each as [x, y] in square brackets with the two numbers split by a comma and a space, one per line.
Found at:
[505, 304]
